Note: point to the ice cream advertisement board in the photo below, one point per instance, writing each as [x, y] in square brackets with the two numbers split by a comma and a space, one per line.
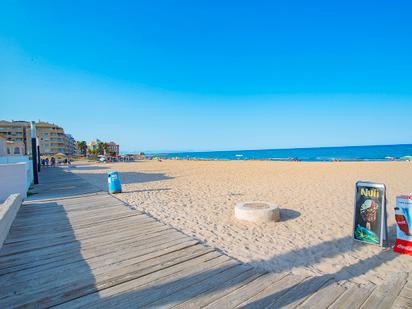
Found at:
[403, 217]
[370, 213]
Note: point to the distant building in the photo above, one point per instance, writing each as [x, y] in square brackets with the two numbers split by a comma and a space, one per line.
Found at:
[70, 145]
[110, 148]
[113, 148]
[3, 146]
[10, 148]
[52, 138]
[15, 131]
[15, 148]
[94, 144]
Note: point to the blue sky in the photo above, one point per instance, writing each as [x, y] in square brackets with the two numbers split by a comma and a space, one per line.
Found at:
[211, 75]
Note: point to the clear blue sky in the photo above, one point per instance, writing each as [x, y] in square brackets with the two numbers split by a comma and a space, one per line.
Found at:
[211, 75]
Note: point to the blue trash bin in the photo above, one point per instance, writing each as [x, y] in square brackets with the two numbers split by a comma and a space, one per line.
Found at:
[113, 180]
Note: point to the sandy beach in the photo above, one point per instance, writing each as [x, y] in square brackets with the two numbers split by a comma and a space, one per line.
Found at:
[314, 236]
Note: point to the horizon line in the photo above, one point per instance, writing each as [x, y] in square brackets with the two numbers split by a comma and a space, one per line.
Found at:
[260, 149]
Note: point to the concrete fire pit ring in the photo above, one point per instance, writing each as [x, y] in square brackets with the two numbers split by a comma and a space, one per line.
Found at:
[257, 212]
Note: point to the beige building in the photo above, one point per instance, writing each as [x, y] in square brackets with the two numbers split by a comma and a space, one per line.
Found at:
[52, 138]
[10, 148]
[94, 144]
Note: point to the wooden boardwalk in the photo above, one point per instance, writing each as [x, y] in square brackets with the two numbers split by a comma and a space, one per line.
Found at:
[72, 246]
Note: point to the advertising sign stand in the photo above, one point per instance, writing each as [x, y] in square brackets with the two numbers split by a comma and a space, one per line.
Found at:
[370, 217]
[403, 217]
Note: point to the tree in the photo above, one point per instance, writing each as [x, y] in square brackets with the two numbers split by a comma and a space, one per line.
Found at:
[106, 148]
[103, 148]
[100, 148]
[82, 147]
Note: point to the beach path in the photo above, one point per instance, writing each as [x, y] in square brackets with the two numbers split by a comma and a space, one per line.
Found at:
[73, 245]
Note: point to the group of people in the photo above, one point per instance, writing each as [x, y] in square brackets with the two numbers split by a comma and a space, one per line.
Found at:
[46, 162]
[53, 162]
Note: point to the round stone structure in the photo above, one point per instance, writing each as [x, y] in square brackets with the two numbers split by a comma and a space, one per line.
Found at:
[257, 212]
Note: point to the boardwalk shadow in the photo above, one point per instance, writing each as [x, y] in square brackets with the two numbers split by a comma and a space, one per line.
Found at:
[177, 288]
[87, 167]
[222, 278]
[146, 190]
[42, 258]
[100, 179]
[60, 183]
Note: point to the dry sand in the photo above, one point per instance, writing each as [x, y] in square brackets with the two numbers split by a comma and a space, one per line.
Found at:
[314, 236]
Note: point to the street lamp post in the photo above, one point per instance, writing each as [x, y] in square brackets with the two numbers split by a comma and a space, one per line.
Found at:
[38, 154]
[34, 153]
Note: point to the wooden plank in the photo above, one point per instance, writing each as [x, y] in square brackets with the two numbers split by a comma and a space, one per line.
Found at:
[30, 258]
[220, 291]
[16, 248]
[16, 236]
[189, 290]
[324, 297]
[77, 288]
[96, 264]
[385, 294]
[272, 292]
[101, 264]
[74, 204]
[194, 265]
[297, 294]
[404, 299]
[148, 295]
[75, 225]
[84, 224]
[66, 230]
[21, 239]
[247, 291]
[62, 257]
[143, 229]
[59, 209]
[69, 216]
[85, 277]
[91, 257]
[354, 297]
[402, 302]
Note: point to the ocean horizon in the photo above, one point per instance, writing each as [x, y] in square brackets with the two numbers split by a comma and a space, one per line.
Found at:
[313, 154]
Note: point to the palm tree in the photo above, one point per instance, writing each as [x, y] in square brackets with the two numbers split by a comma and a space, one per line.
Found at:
[100, 148]
[82, 146]
[106, 148]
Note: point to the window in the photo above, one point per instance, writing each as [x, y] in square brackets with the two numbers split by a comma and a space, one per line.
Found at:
[8, 150]
[16, 150]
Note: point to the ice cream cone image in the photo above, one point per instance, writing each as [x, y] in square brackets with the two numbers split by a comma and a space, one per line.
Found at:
[369, 210]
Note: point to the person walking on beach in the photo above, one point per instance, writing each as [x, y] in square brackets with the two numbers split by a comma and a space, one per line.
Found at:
[53, 162]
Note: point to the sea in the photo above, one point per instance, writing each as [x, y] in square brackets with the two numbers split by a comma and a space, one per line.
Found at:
[352, 153]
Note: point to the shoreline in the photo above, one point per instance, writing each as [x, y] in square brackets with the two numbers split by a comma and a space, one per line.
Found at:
[277, 160]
